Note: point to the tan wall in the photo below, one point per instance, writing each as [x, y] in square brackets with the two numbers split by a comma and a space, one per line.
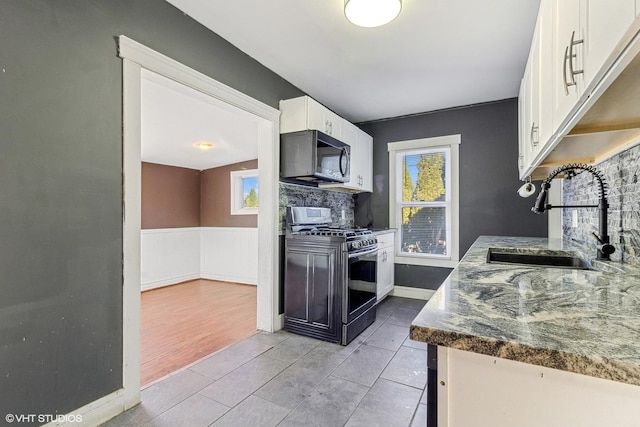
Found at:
[170, 196]
[216, 198]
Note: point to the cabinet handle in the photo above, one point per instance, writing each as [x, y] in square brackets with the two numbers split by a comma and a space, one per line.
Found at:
[534, 132]
[569, 55]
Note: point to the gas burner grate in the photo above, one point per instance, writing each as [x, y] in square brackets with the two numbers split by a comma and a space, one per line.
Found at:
[337, 232]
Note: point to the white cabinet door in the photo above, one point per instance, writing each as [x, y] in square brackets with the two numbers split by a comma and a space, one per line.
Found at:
[568, 58]
[385, 267]
[535, 122]
[304, 113]
[293, 115]
[361, 168]
[586, 33]
[322, 119]
[384, 272]
[544, 75]
[525, 122]
[366, 161]
[606, 21]
[637, 8]
[522, 118]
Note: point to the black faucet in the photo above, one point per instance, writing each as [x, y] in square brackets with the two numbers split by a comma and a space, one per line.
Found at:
[604, 247]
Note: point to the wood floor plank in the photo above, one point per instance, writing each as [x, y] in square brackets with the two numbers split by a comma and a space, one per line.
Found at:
[183, 323]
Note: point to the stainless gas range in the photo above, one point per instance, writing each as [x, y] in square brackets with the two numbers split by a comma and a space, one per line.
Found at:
[330, 276]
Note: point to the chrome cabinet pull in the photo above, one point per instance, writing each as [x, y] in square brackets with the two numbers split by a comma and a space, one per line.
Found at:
[569, 55]
[572, 55]
[534, 131]
[564, 71]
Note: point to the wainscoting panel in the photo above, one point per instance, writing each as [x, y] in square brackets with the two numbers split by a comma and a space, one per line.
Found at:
[229, 254]
[169, 256]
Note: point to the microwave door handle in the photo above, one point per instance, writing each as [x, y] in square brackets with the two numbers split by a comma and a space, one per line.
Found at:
[344, 154]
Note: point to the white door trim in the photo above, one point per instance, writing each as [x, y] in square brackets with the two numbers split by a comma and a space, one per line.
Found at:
[135, 57]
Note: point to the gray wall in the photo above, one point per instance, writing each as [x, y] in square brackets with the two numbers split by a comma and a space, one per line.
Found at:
[621, 173]
[61, 185]
[489, 204]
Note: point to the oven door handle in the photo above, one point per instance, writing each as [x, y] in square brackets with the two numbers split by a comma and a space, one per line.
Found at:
[359, 254]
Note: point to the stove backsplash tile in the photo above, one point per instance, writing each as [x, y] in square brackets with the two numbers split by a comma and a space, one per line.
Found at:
[298, 195]
[622, 174]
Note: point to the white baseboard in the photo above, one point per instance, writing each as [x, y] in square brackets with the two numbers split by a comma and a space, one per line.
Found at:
[94, 413]
[415, 293]
[169, 281]
[245, 280]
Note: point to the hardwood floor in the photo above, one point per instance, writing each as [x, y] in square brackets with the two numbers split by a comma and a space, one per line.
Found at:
[183, 323]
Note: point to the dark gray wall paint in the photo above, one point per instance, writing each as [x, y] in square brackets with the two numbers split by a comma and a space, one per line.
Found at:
[489, 204]
[61, 185]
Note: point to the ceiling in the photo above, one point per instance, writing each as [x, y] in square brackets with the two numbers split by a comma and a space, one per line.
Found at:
[436, 54]
[174, 117]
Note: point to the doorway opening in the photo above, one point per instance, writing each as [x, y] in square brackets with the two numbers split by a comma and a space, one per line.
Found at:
[137, 58]
[198, 244]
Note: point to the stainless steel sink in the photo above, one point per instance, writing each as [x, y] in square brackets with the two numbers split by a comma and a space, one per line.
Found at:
[537, 257]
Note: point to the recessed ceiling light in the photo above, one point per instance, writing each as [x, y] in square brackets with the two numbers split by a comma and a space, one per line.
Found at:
[371, 13]
[203, 145]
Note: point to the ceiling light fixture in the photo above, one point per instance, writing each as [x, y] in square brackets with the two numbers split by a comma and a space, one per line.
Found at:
[203, 145]
[371, 13]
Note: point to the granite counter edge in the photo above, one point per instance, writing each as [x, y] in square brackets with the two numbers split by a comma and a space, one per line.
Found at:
[579, 364]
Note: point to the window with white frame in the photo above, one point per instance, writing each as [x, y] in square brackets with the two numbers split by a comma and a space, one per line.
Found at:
[244, 192]
[423, 203]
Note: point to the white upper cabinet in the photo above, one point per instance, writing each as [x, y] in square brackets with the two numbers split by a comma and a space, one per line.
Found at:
[361, 167]
[605, 23]
[535, 93]
[579, 50]
[306, 113]
[322, 119]
[522, 125]
[586, 35]
[544, 73]
[525, 122]
[366, 163]
[568, 58]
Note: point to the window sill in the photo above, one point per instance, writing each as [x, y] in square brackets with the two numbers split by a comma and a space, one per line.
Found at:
[428, 262]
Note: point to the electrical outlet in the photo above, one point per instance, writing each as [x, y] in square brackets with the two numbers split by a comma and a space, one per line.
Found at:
[574, 218]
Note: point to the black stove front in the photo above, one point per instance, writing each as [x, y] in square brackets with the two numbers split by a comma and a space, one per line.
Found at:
[329, 278]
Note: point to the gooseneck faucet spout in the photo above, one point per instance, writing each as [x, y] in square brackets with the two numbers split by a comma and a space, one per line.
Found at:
[604, 247]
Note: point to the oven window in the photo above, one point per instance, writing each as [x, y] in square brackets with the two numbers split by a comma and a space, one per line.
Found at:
[362, 282]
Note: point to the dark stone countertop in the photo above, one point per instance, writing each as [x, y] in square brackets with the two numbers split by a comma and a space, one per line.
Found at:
[581, 321]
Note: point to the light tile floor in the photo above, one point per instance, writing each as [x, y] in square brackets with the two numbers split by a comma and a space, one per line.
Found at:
[283, 379]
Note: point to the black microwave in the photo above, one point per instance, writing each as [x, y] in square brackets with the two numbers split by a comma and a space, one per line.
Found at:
[313, 156]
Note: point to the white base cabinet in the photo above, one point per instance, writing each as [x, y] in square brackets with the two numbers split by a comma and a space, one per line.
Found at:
[479, 390]
[385, 267]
